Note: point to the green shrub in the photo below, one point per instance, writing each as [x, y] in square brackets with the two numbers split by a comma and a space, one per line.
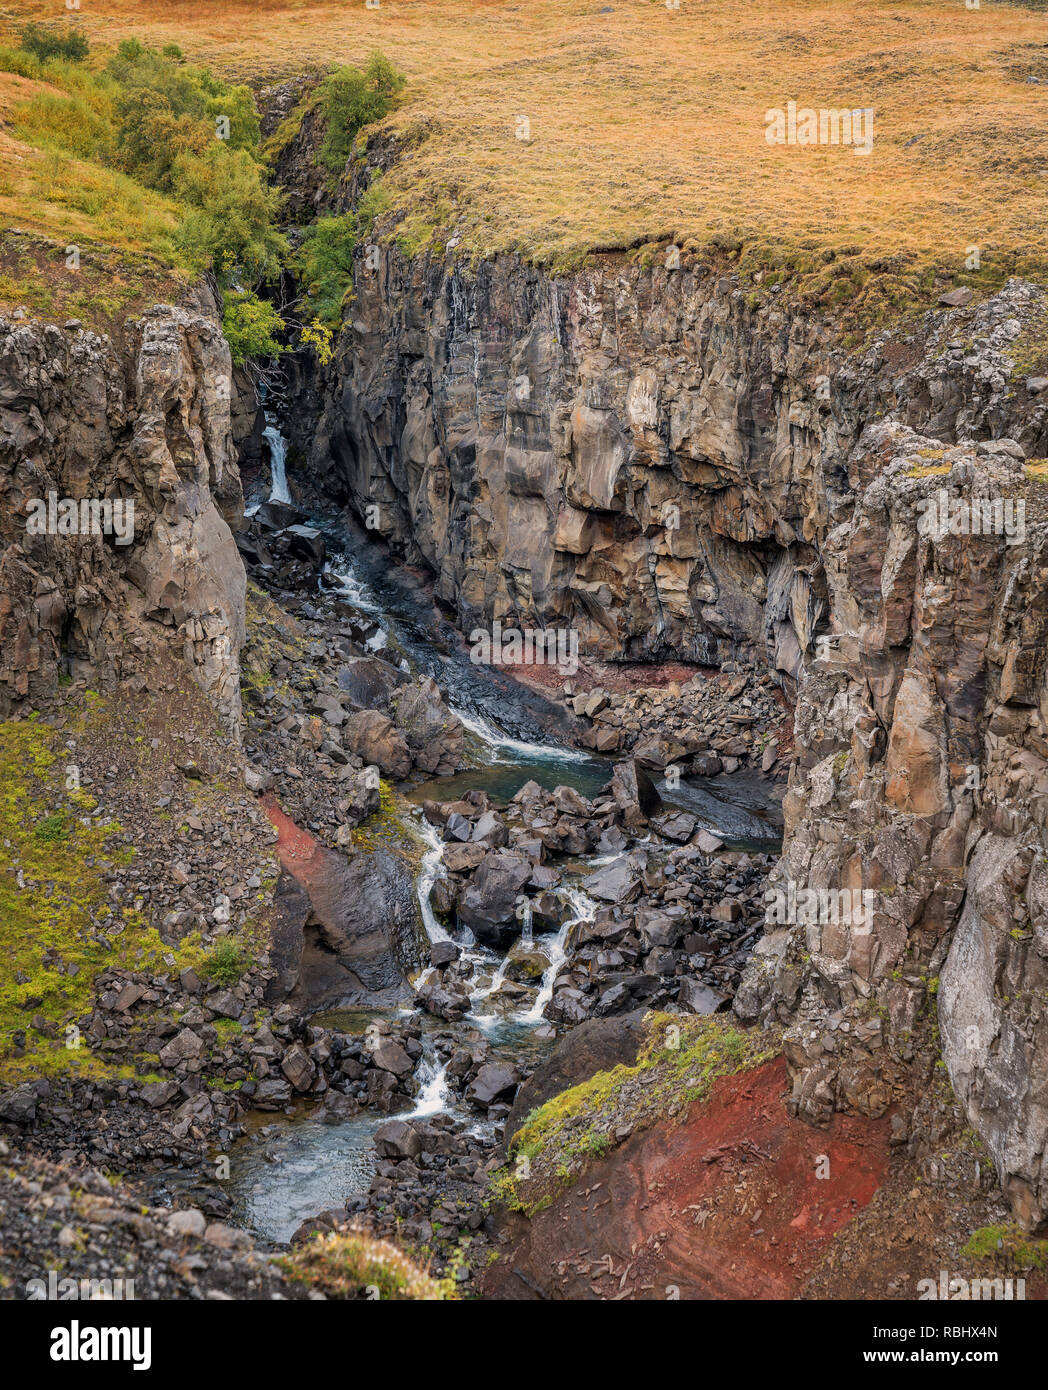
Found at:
[351, 98]
[51, 829]
[224, 964]
[20, 61]
[250, 325]
[325, 265]
[325, 261]
[45, 42]
[231, 222]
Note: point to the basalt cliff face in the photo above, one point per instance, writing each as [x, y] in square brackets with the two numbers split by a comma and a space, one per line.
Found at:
[923, 777]
[147, 419]
[677, 468]
[645, 455]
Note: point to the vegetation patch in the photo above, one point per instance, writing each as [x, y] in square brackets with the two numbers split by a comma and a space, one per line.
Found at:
[1010, 1244]
[680, 1059]
[143, 152]
[58, 926]
[351, 1264]
[565, 132]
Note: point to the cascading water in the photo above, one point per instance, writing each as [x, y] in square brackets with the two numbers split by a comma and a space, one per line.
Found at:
[584, 909]
[278, 491]
[318, 1164]
[500, 746]
[527, 924]
[433, 1097]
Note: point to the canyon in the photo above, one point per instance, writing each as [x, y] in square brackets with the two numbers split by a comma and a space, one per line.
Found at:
[689, 474]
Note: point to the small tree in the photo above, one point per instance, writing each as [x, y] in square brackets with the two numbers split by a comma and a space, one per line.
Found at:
[250, 325]
[350, 99]
[44, 42]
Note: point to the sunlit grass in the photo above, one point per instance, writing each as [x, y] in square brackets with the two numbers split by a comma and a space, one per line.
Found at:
[647, 122]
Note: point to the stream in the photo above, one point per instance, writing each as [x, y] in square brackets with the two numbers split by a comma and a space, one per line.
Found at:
[288, 1168]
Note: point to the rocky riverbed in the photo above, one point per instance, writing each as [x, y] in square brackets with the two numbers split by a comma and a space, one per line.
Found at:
[472, 930]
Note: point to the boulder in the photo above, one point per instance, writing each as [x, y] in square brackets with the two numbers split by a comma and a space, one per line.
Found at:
[396, 1139]
[634, 793]
[372, 737]
[488, 904]
[493, 1081]
[297, 1066]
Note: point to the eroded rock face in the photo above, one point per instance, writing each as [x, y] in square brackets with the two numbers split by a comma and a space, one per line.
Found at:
[149, 422]
[642, 455]
[922, 785]
[676, 470]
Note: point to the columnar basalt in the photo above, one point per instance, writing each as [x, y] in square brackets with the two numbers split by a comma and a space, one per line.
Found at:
[680, 469]
[923, 778]
[649, 456]
[145, 421]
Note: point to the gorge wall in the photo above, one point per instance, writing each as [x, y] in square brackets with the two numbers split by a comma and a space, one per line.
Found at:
[646, 455]
[147, 418]
[678, 467]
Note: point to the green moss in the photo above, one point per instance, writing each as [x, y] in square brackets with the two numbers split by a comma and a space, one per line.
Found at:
[676, 1067]
[1007, 1242]
[58, 929]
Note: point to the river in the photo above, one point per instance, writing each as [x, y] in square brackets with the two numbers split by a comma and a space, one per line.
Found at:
[288, 1168]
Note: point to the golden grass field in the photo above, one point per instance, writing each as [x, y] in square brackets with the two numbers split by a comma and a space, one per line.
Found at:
[647, 122]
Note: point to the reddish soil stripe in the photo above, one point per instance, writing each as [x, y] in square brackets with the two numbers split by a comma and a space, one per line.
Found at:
[740, 1201]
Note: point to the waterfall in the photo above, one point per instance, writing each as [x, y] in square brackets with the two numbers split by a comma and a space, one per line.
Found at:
[433, 1097]
[277, 456]
[527, 924]
[498, 742]
[429, 872]
[584, 909]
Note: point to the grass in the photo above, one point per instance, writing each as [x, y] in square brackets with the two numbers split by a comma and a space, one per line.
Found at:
[61, 194]
[647, 124]
[681, 1058]
[354, 1265]
[53, 892]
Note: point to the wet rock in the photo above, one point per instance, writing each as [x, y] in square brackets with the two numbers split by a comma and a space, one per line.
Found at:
[596, 1045]
[397, 1139]
[390, 1056]
[699, 998]
[297, 1066]
[634, 793]
[488, 904]
[493, 1081]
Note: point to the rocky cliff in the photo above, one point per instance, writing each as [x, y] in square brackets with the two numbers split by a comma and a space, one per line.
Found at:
[922, 778]
[651, 456]
[679, 465]
[144, 421]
